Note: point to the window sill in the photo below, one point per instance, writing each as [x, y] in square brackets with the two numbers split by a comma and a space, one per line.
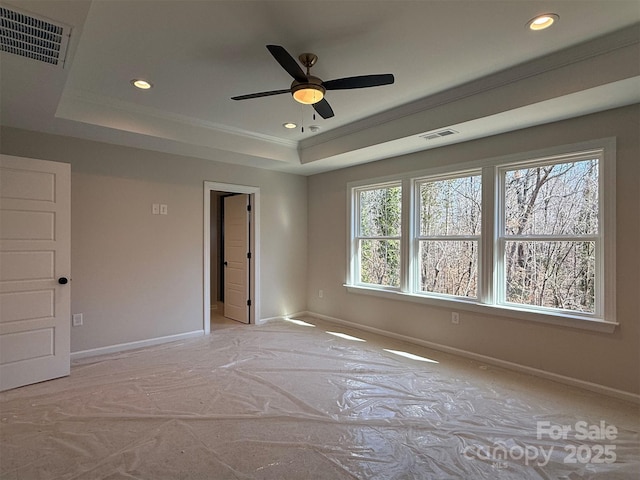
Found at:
[571, 321]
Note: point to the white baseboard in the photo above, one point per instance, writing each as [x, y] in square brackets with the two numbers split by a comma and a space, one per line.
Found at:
[133, 345]
[574, 382]
[280, 317]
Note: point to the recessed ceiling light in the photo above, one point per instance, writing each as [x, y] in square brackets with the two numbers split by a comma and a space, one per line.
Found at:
[141, 84]
[542, 21]
[289, 125]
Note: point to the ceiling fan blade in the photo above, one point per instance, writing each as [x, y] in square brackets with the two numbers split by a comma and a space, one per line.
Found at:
[323, 108]
[362, 81]
[261, 94]
[287, 62]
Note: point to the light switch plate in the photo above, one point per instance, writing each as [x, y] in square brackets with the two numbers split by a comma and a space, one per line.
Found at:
[155, 209]
[163, 209]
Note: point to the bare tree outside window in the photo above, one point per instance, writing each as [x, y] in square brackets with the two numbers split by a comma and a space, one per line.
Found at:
[532, 233]
[550, 232]
[450, 225]
[380, 213]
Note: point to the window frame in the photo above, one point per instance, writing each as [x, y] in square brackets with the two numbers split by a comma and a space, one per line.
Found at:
[417, 237]
[357, 237]
[489, 263]
[502, 238]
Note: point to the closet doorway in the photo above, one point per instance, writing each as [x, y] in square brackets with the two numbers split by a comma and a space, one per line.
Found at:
[231, 254]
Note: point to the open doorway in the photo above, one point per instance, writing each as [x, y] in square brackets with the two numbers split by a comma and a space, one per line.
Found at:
[243, 257]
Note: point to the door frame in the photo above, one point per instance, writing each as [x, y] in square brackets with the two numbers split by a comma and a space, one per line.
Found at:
[254, 245]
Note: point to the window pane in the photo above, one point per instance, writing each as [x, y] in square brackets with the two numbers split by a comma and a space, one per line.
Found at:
[557, 199]
[380, 212]
[551, 274]
[451, 207]
[380, 262]
[449, 267]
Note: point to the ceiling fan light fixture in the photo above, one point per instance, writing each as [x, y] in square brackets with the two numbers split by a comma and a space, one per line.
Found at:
[542, 21]
[308, 94]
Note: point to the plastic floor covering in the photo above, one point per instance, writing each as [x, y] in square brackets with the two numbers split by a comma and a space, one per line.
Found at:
[289, 400]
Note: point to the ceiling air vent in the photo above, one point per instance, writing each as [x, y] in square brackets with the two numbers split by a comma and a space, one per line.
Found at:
[36, 38]
[440, 133]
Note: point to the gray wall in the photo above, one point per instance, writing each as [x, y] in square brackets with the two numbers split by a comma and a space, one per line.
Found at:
[138, 276]
[612, 360]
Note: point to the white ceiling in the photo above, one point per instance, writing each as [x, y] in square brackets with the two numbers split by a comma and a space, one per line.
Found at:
[466, 64]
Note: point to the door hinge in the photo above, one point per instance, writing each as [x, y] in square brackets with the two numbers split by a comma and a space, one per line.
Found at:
[248, 208]
[248, 303]
[249, 255]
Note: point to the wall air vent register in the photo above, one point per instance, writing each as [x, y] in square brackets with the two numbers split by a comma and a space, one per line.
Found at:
[32, 37]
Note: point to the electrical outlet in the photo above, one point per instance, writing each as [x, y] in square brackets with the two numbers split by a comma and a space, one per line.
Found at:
[163, 209]
[76, 319]
[455, 318]
[320, 293]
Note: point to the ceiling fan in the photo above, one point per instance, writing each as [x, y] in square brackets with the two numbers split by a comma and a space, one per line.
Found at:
[310, 90]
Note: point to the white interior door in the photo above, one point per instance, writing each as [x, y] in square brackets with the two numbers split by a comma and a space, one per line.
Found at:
[236, 257]
[35, 240]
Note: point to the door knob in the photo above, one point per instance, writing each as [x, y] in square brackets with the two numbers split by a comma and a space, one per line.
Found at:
[225, 264]
[63, 280]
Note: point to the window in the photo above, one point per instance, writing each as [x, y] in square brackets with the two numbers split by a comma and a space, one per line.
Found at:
[531, 237]
[550, 235]
[378, 235]
[449, 219]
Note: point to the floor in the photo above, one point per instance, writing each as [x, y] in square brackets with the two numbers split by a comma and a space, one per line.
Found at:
[217, 317]
[303, 399]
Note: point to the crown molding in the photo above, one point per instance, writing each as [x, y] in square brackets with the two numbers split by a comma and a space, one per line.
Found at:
[79, 95]
[571, 55]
